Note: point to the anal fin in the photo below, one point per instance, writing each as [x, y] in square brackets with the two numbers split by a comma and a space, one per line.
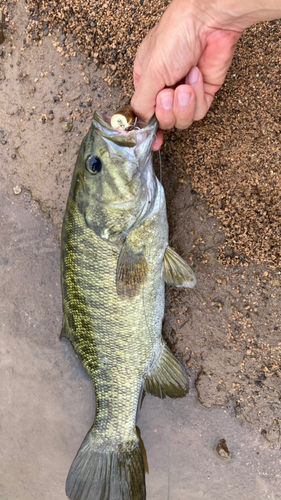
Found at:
[167, 377]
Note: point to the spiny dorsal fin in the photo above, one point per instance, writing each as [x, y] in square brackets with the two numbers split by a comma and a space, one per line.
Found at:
[131, 272]
[176, 271]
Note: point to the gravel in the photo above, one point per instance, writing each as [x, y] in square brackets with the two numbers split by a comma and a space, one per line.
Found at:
[106, 32]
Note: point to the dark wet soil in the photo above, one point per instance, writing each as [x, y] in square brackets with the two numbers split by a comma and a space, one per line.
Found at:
[227, 330]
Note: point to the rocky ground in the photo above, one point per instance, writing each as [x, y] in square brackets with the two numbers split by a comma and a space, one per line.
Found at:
[222, 182]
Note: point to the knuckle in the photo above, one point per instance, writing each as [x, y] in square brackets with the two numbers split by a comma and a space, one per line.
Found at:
[183, 124]
[166, 121]
[166, 126]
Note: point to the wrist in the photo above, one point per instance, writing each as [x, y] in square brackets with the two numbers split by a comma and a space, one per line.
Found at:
[236, 14]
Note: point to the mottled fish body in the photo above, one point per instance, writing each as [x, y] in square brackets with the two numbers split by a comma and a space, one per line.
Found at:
[115, 261]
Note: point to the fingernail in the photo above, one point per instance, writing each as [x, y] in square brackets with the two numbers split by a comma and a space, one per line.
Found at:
[183, 97]
[166, 101]
[193, 75]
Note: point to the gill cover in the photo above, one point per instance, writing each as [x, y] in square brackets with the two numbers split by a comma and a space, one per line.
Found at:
[119, 183]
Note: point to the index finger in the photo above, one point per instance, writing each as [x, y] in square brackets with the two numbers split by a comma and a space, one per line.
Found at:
[147, 84]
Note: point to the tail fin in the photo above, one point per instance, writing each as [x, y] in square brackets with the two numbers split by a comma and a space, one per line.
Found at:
[167, 377]
[109, 475]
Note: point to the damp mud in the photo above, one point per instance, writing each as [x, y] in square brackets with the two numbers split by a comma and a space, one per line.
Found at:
[226, 331]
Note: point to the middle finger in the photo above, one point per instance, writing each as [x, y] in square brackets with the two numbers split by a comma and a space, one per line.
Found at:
[184, 106]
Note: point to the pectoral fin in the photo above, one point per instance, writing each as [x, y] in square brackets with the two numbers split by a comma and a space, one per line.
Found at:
[131, 271]
[176, 271]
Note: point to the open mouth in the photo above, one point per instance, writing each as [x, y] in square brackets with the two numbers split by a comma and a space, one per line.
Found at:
[137, 134]
[105, 121]
[137, 125]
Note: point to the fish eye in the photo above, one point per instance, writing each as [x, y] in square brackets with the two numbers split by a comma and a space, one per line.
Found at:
[93, 164]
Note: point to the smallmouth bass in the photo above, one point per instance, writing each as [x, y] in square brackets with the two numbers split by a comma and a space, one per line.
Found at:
[115, 260]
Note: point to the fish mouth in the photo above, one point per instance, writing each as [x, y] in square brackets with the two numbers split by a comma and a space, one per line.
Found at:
[126, 138]
[105, 120]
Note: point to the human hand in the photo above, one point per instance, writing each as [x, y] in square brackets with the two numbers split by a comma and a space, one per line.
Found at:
[183, 61]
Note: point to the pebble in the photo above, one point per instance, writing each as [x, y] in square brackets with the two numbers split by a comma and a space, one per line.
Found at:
[72, 96]
[17, 190]
[67, 126]
[222, 449]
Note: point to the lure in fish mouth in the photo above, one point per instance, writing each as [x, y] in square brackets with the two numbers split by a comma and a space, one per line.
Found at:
[115, 260]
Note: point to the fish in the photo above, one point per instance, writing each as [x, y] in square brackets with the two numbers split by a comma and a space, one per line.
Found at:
[115, 260]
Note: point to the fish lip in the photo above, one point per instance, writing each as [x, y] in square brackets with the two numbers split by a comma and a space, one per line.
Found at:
[130, 138]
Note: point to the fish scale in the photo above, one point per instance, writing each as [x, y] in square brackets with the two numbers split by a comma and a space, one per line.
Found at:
[113, 301]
